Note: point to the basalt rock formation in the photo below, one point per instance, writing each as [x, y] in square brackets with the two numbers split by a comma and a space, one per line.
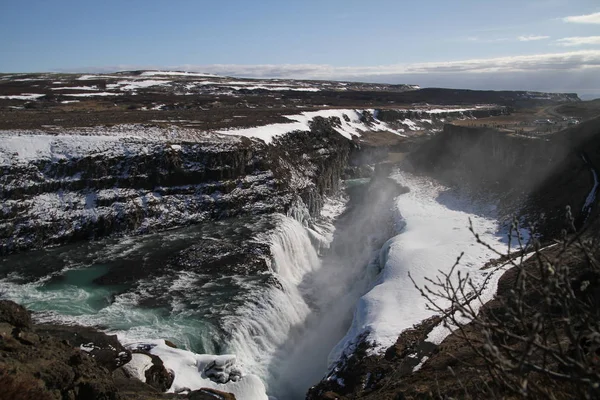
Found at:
[149, 187]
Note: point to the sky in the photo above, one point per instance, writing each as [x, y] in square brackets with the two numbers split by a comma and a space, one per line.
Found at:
[549, 45]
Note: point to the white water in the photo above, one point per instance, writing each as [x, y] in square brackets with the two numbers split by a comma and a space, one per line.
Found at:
[268, 318]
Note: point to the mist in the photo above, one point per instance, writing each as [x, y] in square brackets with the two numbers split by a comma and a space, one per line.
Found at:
[347, 272]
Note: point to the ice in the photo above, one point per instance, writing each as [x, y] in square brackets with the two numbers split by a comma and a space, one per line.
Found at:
[194, 371]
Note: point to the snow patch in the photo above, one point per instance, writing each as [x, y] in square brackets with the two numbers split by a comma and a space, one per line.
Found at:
[75, 88]
[92, 94]
[350, 125]
[195, 371]
[140, 84]
[175, 73]
[24, 96]
[138, 366]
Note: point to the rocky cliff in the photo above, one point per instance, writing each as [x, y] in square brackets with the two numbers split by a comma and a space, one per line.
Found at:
[135, 186]
[531, 176]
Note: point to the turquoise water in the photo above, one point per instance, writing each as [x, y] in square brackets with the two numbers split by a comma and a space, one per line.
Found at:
[74, 292]
[133, 286]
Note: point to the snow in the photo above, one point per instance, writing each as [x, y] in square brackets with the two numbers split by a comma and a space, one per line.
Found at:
[301, 122]
[21, 146]
[138, 366]
[91, 77]
[141, 84]
[69, 101]
[75, 88]
[411, 125]
[25, 148]
[274, 88]
[420, 364]
[440, 331]
[446, 110]
[194, 371]
[87, 347]
[93, 94]
[175, 73]
[24, 96]
[432, 230]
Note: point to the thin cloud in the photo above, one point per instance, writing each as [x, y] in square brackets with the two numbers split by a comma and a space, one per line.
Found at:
[531, 38]
[578, 41]
[556, 62]
[568, 61]
[584, 19]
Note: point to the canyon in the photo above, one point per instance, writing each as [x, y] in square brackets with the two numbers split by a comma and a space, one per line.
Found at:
[252, 238]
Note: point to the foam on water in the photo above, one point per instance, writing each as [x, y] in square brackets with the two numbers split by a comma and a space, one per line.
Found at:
[269, 316]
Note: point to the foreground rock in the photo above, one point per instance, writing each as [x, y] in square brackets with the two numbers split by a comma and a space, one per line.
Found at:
[47, 362]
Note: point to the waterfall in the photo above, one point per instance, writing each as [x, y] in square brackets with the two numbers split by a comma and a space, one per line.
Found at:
[270, 314]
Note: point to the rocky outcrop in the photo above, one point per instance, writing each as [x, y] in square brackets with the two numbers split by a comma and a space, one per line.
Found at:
[53, 362]
[41, 363]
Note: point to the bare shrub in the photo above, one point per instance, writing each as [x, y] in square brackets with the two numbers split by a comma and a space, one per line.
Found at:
[541, 337]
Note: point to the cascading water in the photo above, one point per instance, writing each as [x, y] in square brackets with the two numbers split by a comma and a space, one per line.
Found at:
[280, 322]
[269, 315]
[345, 273]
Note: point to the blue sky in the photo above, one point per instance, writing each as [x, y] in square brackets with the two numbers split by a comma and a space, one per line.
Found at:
[376, 40]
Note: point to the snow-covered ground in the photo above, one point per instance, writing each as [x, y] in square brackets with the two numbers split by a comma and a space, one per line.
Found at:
[351, 123]
[19, 146]
[189, 83]
[433, 230]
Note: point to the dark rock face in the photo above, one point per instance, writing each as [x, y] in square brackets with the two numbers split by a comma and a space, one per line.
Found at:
[533, 177]
[45, 366]
[311, 164]
[105, 349]
[13, 314]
